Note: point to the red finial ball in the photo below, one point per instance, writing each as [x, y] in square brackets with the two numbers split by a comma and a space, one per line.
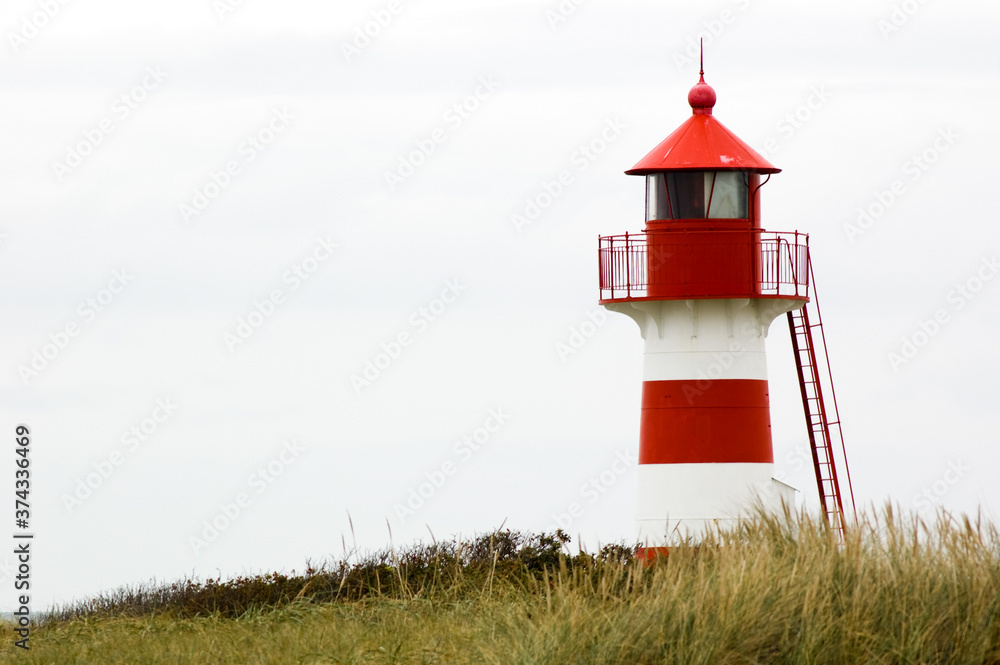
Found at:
[702, 97]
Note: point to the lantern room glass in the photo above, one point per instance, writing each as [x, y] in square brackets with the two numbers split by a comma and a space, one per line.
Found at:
[697, 195]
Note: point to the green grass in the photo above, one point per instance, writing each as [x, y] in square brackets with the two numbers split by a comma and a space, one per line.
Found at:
[780, 589]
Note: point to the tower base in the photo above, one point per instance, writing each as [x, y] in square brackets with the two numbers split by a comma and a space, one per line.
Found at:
[686, 502]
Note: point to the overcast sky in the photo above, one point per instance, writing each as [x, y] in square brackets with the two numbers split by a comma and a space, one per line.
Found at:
[279, 265]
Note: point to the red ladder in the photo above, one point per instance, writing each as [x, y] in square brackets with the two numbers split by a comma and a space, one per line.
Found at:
[825, 433]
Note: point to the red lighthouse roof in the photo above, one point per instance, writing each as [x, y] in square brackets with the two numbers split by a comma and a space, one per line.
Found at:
[702, 143]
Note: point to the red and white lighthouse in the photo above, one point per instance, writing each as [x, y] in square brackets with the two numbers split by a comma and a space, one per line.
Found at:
[703, 281]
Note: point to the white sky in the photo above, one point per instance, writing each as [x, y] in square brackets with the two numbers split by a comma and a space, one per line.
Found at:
[878, 99]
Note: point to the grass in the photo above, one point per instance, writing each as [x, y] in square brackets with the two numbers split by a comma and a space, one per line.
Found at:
[780, 589]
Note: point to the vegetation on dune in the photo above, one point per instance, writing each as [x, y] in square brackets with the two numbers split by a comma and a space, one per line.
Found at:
[442, 571]
[779, 589]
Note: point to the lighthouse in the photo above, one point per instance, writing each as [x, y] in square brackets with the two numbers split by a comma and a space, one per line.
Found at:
[704, 281]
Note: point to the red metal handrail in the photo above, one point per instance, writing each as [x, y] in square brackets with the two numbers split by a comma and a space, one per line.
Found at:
[778, 262]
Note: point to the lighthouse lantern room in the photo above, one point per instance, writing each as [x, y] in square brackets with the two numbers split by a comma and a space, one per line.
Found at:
[704, 281]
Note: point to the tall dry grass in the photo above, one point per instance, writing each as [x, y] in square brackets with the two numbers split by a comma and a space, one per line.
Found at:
[785, 589]
[779, 589]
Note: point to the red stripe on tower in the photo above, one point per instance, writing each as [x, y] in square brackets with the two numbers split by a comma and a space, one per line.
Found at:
[725, 421]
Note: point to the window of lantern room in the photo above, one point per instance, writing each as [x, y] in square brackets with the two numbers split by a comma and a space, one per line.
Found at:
[697, 195]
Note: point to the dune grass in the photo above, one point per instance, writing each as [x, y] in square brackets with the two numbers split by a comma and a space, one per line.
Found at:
[779, 589]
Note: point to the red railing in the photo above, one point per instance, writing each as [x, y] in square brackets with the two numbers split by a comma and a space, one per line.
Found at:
[708, 264]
